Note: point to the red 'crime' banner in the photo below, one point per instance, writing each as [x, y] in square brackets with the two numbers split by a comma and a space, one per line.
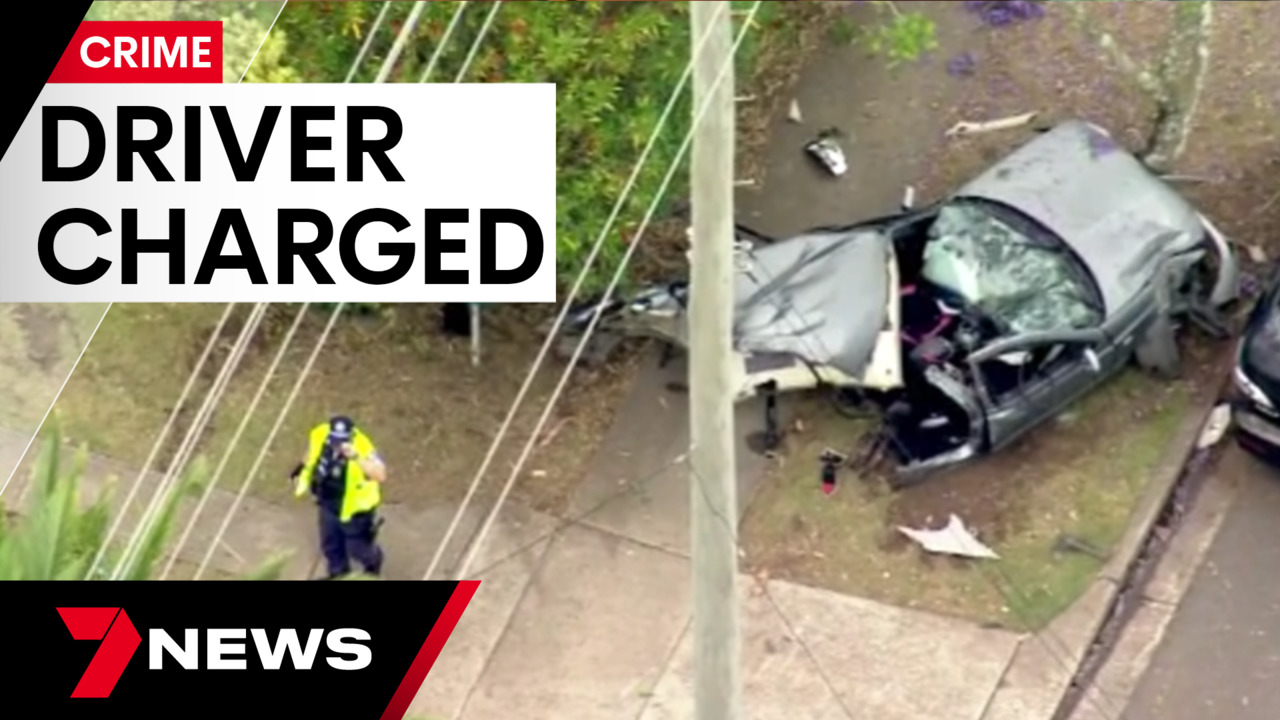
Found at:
[142, 52]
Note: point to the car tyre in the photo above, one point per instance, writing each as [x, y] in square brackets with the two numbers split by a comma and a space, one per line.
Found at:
[1158, 352]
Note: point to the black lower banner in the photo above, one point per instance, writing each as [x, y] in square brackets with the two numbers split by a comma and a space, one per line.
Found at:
[227, 650]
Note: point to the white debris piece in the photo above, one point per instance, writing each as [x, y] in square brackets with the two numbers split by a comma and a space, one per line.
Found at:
[1215, 427]
[1256, 254]
[954, 539]
[793, 114]
[964, 128]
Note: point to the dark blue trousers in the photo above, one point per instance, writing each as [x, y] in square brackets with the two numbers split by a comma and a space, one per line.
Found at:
[341, 541]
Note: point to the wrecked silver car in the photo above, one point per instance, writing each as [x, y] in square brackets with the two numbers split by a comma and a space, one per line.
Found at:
[968, 322]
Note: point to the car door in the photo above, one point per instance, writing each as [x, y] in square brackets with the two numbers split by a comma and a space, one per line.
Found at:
[1022, 384]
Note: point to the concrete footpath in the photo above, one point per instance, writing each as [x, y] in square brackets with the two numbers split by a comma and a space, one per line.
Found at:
[601, 630]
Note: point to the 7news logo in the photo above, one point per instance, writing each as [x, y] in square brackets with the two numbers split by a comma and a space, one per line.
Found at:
[120, 641]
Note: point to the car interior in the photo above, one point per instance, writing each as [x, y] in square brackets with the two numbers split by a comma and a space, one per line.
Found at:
[964, 279]
[938, 329]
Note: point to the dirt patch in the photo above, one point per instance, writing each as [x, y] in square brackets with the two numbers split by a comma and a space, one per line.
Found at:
[41, 324]
[1235, 135]
[1050, 66]
[39, 344]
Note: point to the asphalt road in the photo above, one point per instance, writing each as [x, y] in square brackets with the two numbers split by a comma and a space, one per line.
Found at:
[1220, 655]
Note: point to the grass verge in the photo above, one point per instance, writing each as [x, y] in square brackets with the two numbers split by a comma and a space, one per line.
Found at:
[1080, 477]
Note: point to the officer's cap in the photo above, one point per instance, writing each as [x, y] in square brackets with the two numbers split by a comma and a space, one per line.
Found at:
[341, 428]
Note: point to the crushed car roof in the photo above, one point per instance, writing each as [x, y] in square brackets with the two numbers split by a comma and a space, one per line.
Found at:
[822, 295]
[1117, 216]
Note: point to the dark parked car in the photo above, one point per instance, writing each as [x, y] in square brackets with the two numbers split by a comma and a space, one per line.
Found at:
[1255, 412]
[969, 322]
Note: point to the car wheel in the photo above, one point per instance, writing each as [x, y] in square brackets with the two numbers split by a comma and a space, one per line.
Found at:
[1158, 352]
[1198, 291]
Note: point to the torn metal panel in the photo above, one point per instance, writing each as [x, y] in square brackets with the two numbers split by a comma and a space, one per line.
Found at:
[954, 539]
[823, 296]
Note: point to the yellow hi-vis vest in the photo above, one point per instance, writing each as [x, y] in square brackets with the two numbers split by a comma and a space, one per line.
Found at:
[361, 494]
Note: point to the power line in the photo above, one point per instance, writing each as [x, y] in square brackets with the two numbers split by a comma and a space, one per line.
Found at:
[164, 434]
[444, 41]
[383, 73]
[401, 40]
[368, 41]
[804, 645]
[171, 477]
[637, 486]
[553, 333]
[266, 446]
[475, 46]
[262, 42]
[106, 542]
[235, 440]
[1056, 650]
[288, 340]
[595, 318]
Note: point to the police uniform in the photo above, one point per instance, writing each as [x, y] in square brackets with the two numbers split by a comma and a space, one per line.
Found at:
[346, 497]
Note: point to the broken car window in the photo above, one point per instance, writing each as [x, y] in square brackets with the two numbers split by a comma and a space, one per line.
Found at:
[1023, 284]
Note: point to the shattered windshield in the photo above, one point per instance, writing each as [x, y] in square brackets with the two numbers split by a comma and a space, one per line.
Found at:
[1025, 283]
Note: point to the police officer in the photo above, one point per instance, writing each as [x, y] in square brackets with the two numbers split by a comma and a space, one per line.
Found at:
[343, 472]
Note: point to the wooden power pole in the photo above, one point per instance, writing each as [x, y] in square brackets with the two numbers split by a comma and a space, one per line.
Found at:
[713, 480]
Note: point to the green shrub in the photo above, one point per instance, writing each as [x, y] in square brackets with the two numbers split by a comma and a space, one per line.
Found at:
[614, 64]
[57, 539]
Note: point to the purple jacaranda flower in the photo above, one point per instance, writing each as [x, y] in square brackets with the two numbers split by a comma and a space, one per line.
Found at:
[998, 13]
[1100, 144]
[962, 65]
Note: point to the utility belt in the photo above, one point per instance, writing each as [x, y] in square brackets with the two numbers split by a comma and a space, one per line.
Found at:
[376, 519]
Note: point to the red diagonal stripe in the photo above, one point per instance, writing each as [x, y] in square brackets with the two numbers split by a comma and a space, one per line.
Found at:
[86, 623]
[430, 650]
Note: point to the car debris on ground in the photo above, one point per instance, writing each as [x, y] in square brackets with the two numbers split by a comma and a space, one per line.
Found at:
[793, 113]
[965, 128]
[1215, 428]
[1067, 543]
[828, 152]
[954, 539]
[831, 461]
